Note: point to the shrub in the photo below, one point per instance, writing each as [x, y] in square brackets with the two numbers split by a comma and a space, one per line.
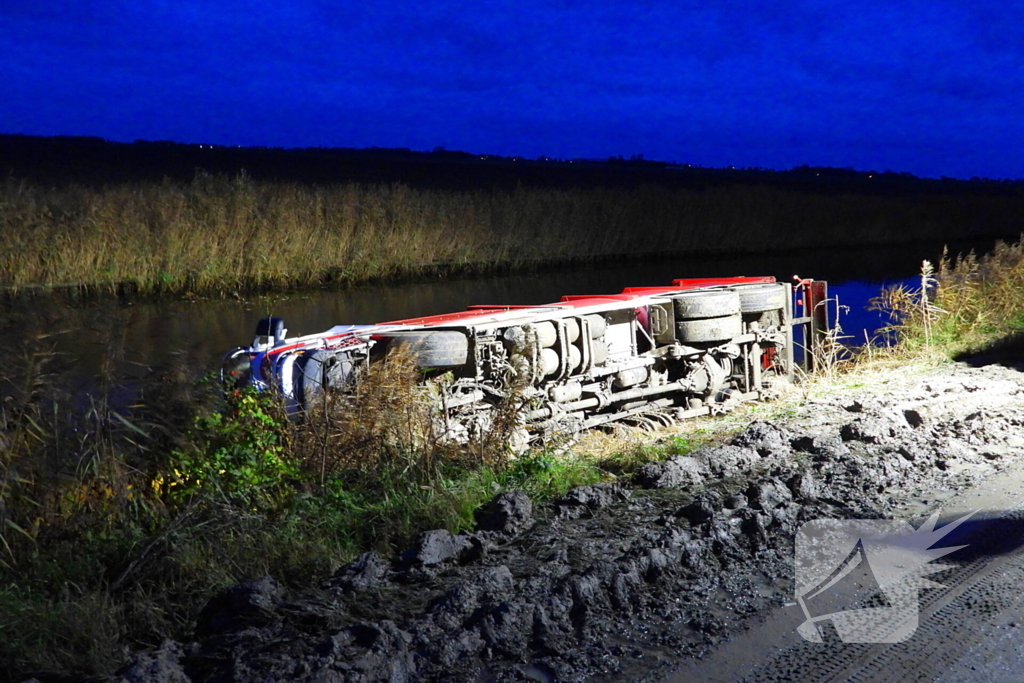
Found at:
[241, 453]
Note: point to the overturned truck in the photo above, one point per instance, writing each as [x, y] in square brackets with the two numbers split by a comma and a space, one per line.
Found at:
[649, 355]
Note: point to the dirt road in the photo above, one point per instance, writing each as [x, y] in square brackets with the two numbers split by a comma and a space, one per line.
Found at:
[683, 574]
[972, 628]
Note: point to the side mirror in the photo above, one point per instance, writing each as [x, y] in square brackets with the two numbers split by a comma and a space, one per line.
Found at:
[235, 370]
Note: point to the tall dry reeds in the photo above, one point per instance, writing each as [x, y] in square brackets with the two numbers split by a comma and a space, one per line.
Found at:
[970, 302]
[222, 233]
[384, 424]
[391, 423]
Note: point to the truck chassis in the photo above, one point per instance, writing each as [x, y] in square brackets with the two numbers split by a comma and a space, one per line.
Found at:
[647, 355]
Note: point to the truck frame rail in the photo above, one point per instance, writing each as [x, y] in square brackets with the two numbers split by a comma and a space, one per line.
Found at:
[646, 355]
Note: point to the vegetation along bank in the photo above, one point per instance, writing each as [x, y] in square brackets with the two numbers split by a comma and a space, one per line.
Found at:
[117, 526]
[142, 217]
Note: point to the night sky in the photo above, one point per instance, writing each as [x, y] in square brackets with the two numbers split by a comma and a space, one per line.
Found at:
[931, 87]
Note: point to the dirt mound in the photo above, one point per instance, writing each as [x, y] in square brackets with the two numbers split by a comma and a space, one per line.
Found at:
[613, 583]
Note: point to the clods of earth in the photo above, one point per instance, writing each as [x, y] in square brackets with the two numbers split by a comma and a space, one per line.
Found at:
[620, 581]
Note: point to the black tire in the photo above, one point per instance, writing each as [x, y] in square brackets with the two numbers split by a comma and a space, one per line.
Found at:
[760, 298]
[309, 378]
[698, 305]
[317, 371]
[439, 349]
[709, 329]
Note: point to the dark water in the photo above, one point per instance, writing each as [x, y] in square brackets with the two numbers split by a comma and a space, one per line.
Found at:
[124, 339]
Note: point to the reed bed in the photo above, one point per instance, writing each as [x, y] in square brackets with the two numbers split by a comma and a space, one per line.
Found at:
[969, 305]
[220, 233]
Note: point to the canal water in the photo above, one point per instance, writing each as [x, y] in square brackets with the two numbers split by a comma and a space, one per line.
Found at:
[124, 340]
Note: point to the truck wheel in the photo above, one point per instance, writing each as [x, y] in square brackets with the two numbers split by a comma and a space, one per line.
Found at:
[698, 305]
[318, 371]
[309, 378]
[709, 329]
[234, 371]
[760, 298]
[434, 349]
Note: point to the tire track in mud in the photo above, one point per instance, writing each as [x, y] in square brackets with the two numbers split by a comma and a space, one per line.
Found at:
[958, 620]
[982, 592]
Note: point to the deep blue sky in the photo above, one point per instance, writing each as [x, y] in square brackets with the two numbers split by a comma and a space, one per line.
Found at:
[932, 87]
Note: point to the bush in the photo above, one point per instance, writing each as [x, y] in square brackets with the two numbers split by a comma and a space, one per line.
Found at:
[241, 454]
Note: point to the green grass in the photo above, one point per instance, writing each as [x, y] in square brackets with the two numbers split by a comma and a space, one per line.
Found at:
[626, 459]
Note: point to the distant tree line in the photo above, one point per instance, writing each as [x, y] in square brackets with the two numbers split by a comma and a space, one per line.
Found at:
[82, 159]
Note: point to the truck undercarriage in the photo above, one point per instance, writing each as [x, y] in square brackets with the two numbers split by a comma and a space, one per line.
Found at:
[648, 355]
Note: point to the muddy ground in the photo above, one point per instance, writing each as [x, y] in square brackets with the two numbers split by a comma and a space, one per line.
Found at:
[627, 581]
